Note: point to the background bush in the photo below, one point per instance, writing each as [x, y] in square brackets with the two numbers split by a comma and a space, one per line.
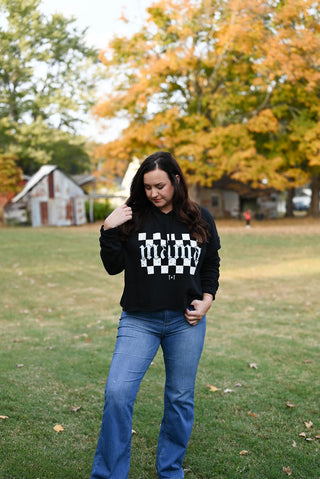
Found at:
[101, 209]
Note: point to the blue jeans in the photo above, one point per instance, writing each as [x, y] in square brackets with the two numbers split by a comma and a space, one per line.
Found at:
[139, 336]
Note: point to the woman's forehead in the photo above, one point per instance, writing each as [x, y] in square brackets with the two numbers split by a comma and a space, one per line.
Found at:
[155, 177]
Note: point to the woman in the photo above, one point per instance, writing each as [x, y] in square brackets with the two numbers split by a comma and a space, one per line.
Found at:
[168, 248]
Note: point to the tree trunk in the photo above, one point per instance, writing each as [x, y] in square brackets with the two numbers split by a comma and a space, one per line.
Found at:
[315, 188]
[289, 203]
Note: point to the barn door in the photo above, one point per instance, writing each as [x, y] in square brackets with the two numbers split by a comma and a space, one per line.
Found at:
[44, 212]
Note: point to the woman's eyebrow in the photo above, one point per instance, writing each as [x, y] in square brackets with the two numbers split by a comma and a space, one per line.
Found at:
[158, 184]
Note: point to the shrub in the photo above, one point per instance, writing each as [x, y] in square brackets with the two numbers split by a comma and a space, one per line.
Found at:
[101, 209]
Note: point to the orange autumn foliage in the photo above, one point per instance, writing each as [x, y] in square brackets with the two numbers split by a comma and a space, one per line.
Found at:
[229, 87]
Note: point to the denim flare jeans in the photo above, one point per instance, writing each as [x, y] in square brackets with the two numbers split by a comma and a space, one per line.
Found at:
[139, 336]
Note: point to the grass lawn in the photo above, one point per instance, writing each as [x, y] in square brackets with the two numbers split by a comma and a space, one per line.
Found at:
[58, 319]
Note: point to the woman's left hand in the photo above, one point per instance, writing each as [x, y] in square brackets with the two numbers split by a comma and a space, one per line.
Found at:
[201, 307]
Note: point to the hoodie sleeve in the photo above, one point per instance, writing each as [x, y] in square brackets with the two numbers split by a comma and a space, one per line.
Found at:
[210, 270]
[111, 250]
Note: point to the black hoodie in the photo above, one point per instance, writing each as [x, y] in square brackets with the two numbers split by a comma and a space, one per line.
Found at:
[164, 267]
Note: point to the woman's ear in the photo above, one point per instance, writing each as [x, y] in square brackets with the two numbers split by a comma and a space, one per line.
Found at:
[178, 178]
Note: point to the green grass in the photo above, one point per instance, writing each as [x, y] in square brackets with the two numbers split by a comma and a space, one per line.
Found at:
[58, 318]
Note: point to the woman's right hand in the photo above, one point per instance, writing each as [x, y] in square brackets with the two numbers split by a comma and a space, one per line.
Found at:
[120, 215]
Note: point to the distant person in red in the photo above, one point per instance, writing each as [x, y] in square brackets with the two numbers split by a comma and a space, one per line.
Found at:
[247, 217]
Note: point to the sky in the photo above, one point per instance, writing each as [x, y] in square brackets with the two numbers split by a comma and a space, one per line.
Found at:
[101, 18]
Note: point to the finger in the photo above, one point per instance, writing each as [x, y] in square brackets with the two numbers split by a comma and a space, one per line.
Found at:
[193, 322]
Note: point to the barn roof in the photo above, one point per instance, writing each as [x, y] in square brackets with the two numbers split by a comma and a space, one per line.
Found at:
[41, 173]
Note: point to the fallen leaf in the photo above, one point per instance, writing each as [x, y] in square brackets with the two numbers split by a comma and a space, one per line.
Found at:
[252, 414]
[58, 428]
[302, 434]
[133, 431]
[253, 366]
[243, 453]
[228, 391]
[4, 417]
[289, 404]
[287, 470]
[309, 439]
[238, 385]
[212, 388]
[75, 408]
[20, 365]
[308, 361]
[309, 424]
[317, 436]
[294, 444]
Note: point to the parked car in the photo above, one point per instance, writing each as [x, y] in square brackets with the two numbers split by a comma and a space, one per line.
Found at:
[301, 203]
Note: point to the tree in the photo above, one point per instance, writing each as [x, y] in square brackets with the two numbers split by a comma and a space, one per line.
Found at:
[10, 175]
[218, 84]
[47, 79]
[10, 178]
[292, 64]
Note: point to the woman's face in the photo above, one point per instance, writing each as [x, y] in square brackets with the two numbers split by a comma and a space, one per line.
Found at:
[159, 189]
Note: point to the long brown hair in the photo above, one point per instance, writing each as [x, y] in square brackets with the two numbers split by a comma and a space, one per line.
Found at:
[186, 211]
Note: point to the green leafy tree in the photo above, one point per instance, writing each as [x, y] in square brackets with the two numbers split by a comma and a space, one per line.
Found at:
[47, 79]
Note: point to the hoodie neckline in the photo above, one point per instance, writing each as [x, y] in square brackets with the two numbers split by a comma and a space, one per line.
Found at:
[157, 210]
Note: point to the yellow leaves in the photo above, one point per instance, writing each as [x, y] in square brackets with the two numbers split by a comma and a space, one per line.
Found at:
[58, 428]
[252, 414]
[308, 424]
[287, 470]
[108, 108]
[212, 388]
[75, 408]
[123, 17]
[308, 436]
[311, 145]
[214, 89]
[264, 122]
[10, 174]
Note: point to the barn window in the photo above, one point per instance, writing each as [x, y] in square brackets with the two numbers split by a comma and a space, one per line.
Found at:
[215, 201]
[51, 185]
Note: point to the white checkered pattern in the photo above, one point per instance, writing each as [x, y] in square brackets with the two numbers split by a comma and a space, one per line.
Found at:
[170, 255]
